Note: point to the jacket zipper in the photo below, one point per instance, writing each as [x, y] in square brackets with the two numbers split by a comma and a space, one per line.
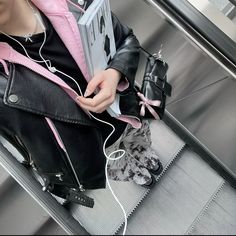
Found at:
[61, 144]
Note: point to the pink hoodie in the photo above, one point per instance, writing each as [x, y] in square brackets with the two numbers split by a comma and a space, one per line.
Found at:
[66, 26]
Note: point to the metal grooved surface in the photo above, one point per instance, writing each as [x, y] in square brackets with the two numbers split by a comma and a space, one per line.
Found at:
[190, 197]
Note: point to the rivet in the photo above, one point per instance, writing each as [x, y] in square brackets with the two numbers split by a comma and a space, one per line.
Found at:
[13, 98]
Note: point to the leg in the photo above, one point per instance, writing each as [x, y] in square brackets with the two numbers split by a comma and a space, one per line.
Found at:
[137, 142]
[139, 158]
[127, 168]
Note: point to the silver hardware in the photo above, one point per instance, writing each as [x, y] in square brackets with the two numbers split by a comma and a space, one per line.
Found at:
[44, 189]
[68, 158]
[46, 184]
[81, 188]
[28, 37]
[159, 54]
[13, 98]
[59, 176]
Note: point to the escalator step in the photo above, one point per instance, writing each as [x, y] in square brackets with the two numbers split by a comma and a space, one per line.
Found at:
[174, 204]
[219, 218]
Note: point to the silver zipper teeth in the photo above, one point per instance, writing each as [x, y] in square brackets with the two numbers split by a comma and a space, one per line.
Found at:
[68, 158]
[205, 208]
[169, 164]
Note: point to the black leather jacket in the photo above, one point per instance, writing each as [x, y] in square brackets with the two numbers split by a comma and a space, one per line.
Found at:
[26, 99]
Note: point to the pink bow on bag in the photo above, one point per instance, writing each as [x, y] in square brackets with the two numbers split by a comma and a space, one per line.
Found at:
[146, 103]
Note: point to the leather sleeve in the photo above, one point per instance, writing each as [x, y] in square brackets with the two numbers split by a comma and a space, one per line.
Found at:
[127, 55]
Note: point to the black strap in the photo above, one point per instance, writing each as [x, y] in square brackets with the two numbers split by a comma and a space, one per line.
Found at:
[80, 198]
[145, 51]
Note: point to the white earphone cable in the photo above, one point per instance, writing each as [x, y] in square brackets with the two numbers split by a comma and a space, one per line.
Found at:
[108, 157]
[53, 70]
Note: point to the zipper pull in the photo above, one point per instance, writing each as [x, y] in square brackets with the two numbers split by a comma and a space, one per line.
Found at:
[81, 188]
[159, 54]
[59, 176]
[80, 198]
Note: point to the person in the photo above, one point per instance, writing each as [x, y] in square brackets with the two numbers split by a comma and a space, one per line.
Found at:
[46, 99]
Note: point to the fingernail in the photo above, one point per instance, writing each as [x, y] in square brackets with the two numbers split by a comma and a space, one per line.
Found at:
[87, 93]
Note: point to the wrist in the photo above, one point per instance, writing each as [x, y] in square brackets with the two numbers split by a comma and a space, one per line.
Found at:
[115, 74]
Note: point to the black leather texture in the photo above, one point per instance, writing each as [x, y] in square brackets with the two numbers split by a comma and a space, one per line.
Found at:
[26, 98]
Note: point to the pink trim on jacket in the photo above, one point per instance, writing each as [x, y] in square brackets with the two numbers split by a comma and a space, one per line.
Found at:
[55, 133]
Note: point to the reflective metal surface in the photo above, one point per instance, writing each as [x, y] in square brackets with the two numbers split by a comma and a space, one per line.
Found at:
[216, 17]
[210, 114]
[190, 198]
[204, 93]
[201, 32]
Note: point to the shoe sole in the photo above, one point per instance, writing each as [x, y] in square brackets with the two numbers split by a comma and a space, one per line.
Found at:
[152, 184]
[158, 171]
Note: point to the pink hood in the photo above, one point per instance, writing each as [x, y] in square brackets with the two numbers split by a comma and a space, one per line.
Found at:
[66, 26]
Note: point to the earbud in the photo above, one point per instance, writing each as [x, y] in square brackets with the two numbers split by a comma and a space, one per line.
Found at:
[81, 2]
[52, 69]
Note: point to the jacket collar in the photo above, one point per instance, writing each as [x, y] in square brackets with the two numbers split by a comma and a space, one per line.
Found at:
[40, 96]
[59, 15]
[49, 6]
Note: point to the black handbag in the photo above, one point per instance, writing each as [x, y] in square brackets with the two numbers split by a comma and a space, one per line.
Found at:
[154, 88]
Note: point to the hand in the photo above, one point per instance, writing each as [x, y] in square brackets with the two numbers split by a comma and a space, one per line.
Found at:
[106, 82]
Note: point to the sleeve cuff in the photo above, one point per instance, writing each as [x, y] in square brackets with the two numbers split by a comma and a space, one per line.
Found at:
[123, 84]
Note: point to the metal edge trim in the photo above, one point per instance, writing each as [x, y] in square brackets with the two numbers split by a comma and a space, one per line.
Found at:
[157, 7]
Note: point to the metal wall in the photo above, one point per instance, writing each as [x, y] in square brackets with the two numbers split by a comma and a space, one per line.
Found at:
[203, 100]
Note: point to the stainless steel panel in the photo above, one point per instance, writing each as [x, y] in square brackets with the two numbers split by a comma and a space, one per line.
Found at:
[216, 17]
[210, 114]
[19, 213]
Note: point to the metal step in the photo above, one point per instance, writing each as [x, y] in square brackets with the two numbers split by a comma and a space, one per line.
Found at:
[174, 204]
[218, 217]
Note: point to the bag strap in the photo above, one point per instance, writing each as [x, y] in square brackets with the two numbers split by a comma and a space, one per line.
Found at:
[145, 51]
[155, 55]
